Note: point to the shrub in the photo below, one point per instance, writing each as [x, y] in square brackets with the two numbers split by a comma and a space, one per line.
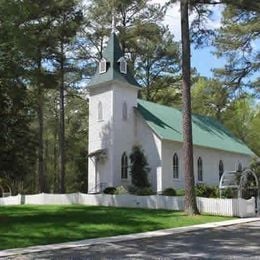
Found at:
[139, 168]
[229, 193]
[180, 192]
[120, 190]
[255, 167]
[144, 191]
[132, 189]
[109, 190]
[203, 190]
[169, 192]
[140, 191]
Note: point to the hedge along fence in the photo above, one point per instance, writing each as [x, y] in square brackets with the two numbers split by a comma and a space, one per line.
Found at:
[223, 207]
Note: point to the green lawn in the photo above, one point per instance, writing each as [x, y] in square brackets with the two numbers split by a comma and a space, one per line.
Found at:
[22, 226]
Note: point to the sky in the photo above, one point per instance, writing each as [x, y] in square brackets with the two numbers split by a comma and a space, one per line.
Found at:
[202, 59]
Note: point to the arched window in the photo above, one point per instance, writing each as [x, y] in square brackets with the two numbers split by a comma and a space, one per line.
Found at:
[200, 169]
[124, 166]
[124, 111]
[220, 168]
[239, 167]
[100, 111]
[175, 166]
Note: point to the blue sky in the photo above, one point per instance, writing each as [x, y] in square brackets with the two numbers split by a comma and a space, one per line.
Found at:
[202, 59]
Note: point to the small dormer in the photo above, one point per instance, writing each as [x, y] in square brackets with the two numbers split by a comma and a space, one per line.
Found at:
[102, 66]
[122, 65]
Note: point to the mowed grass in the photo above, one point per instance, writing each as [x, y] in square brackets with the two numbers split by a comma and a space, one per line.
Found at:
[22, 226]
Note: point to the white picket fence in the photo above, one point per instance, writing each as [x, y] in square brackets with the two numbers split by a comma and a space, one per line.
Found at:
[224, 207]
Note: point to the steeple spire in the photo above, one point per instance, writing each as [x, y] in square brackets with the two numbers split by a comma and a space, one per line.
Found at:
[113, 30]
[111, 66]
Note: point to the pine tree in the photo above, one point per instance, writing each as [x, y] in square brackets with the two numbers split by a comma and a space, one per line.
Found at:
[35, 42]
[210, 97]
[235, 41]
[17, 139]
[190, 198]
[68, 19]
[149, 46]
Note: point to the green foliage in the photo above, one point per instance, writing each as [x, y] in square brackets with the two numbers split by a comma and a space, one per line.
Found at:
[157, 58]
[203, 190]
[254, 133]
[76, 126]
[229, 193]
[243, 119]
[139, 168]
[180, 192]
[30, 46]
[145, 191]
[209, 97]
[236, 39]
[255, 167]
[140, 191]
[109, 190]
[44, 46]
[152, 52]
[17, 139]
[169, 192]
[120, 190]
[132, 189]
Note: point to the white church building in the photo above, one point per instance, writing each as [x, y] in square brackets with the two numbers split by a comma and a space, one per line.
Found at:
[118, 120]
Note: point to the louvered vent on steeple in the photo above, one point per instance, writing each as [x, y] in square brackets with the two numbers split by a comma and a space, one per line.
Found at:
[113, 65]
[102, 66]
[122, 65]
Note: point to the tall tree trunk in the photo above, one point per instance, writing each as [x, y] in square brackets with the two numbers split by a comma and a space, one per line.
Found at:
[62, 130]
[40, 97]
[190, 198]
[55, 154]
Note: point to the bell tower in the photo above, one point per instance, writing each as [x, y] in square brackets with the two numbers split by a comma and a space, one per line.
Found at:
[112, 98]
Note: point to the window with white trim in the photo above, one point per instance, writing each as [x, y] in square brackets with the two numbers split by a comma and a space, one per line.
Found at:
[239, 167]
[124, 166]
[220, 168]
[200, 169]
[175, 166]
[124, 111]
[100, 111]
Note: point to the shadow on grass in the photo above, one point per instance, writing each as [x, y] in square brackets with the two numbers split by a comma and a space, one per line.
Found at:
[33, 225]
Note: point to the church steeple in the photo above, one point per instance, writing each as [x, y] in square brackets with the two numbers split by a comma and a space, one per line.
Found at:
[114, 67]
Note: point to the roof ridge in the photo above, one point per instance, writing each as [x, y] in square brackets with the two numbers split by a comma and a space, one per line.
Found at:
[180, 109]
[207, 131]
[139, 99]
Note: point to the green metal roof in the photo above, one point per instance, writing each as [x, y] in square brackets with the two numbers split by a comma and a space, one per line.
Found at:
[112, 54]
[166, 122]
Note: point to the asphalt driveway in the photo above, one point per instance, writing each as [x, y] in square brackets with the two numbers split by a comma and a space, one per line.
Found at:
[233, 242]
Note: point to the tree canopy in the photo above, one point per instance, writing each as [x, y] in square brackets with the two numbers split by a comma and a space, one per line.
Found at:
[50, 49]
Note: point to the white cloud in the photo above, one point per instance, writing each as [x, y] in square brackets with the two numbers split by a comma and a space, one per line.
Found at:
[173, 19]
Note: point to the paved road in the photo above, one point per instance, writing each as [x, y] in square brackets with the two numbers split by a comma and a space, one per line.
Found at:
[233, 242]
